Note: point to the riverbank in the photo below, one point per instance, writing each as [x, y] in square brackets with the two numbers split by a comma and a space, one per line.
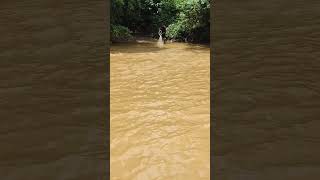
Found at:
[140, 37]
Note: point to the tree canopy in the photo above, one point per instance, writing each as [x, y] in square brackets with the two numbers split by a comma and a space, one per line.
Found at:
[187, 20]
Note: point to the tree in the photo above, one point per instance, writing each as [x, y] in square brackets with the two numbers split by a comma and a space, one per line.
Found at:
[187, 19]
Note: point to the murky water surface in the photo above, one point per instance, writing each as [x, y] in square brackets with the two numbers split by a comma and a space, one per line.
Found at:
[266, 95]
[160, 114]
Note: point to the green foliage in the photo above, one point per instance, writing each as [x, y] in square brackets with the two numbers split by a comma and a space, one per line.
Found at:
[186, 19]
[120, 33]
[166, 13]
[193, 21]
[176, 30]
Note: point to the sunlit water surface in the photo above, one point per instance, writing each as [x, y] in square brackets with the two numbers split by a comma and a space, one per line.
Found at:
[160, 114]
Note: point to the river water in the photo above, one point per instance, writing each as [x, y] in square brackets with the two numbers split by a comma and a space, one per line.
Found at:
[160, 111]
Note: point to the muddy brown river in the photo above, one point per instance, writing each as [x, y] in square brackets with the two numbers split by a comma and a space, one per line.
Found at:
[160, 111]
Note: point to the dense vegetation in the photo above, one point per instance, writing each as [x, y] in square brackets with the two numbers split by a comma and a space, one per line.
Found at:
[186, 20]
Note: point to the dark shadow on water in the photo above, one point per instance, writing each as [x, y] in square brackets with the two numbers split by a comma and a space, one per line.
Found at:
[137, 46]
[147, 45]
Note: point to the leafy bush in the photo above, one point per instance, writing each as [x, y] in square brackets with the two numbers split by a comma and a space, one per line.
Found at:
[120, 33]
[186, 19]
[193, 21]
[176, 30]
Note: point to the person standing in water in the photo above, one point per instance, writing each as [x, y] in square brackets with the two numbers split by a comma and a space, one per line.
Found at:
[163, 30]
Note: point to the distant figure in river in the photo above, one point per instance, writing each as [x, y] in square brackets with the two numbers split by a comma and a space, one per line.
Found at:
[162, 31]
[162, 36]
[160, 41]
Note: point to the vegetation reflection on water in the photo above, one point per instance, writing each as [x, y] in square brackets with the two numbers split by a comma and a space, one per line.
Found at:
[160, 114]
